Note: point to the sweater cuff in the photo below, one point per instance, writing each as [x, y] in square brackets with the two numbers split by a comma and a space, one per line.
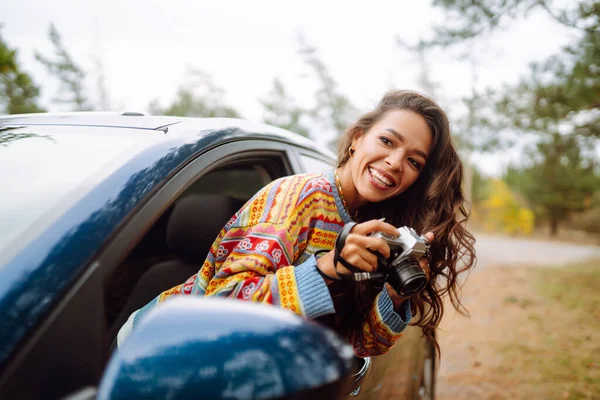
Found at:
[312, 290]
[396, 321]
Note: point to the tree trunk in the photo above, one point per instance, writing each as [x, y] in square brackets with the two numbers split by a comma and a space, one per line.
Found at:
[553, 226]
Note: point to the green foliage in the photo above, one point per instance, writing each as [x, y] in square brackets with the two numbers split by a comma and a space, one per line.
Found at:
[281, 111]
[188, 103]
[480, 189]
[560, 179]
[333, 109]
[563, 89]
[558, 101]
[18, 93]
[69, 74]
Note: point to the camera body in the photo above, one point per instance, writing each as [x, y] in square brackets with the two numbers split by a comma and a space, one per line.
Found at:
[402, 268]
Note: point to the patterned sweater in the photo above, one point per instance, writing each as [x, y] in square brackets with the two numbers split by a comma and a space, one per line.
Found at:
[265, 253]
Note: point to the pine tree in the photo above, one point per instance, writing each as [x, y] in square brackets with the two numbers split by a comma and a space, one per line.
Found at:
[69, 74]
[333, 109]
[18, 93]
[198, 97]
[281, 111]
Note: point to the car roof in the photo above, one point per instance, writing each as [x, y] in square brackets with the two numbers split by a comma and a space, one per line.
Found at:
[106, 119]
[167, 124]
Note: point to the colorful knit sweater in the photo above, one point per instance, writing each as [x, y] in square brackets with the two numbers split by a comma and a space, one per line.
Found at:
[265, 253]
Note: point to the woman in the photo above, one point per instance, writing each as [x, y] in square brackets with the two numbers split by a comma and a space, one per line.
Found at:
[396, 162]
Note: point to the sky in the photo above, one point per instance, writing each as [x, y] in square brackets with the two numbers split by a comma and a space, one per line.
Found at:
[146, 47]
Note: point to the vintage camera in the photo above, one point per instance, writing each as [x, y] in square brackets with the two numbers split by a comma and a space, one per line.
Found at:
[402, 268]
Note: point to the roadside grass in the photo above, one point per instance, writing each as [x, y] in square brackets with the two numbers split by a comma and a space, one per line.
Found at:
[556, 355]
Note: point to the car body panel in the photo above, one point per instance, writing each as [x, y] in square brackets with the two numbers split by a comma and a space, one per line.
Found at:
[50, 261]
[35, 277]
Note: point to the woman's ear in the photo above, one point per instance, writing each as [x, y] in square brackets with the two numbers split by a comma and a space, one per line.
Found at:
[357, 137]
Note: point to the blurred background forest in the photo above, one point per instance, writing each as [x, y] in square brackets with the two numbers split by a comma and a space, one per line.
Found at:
[552, 113]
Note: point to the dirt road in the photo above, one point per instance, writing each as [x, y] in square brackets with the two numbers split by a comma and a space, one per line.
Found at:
[506, 251]
[470, 346]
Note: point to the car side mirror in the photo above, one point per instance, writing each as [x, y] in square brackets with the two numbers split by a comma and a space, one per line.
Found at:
[212, 348]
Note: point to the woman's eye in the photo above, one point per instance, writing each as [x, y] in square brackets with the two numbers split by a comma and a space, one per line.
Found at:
[415, 163]
[385, 140]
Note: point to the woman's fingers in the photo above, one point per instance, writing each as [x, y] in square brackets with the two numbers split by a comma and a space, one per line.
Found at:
[429, 236]
[375, 225]
[361, 251]
[424, 264]
[361, 243]
[359, 262]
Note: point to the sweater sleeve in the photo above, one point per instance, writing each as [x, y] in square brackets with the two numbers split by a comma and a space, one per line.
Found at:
[382, 328]
[255, 263]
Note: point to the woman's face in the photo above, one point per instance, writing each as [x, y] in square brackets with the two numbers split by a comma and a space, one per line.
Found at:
[390, 156]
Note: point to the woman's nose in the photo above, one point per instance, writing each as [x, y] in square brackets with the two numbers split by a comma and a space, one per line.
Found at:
[394, 160]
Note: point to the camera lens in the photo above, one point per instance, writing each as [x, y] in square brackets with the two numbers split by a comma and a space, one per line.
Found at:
[407, 277]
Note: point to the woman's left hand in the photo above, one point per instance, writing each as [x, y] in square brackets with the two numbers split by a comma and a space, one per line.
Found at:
[424, 264]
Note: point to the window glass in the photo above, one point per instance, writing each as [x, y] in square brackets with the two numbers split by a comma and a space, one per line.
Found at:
[239, 182]
[315, 165]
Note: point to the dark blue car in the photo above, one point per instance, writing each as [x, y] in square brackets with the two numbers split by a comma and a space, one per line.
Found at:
[100, 213]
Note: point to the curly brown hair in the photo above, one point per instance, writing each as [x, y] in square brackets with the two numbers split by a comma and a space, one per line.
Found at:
[435, 202]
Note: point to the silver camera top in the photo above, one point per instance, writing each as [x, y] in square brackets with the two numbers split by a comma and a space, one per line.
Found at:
[408, 242]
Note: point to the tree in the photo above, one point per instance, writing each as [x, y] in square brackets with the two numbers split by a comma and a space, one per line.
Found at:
[563, 89]
[332, 108]
[69, 74]
[557, 101]
[198, 97]
[559, 180]
[281, 111]
[18, 93]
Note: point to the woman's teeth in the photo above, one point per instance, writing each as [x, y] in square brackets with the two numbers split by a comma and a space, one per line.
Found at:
[382, 179]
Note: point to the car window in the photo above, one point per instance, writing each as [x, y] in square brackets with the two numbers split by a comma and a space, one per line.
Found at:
[238, 181]
[315, 165]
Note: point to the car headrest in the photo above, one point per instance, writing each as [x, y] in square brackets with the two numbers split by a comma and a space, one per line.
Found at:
[195, 223]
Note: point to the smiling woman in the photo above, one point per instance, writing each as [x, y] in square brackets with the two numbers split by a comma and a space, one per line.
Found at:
[302, 240]
[398, 162]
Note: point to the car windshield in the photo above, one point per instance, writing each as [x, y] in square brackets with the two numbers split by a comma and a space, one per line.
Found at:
[46, 169]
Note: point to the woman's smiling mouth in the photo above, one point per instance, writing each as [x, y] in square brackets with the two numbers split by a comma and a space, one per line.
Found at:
[381, 178]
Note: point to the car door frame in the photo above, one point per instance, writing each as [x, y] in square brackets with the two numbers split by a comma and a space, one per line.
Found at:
[138, 225]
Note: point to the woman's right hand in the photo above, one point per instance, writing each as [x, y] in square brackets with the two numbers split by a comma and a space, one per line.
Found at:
[359, 249]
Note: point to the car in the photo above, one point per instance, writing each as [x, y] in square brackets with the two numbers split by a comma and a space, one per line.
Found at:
[103, 211]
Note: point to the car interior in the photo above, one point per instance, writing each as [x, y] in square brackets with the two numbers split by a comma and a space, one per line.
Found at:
[175, 246]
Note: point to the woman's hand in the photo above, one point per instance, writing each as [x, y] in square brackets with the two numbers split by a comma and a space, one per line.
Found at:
[358, 249]
[424, 263]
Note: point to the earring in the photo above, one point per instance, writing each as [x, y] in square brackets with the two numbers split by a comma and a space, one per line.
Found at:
[351, 151]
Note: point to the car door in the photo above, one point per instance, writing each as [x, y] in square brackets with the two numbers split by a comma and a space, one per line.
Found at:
[68, 352]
